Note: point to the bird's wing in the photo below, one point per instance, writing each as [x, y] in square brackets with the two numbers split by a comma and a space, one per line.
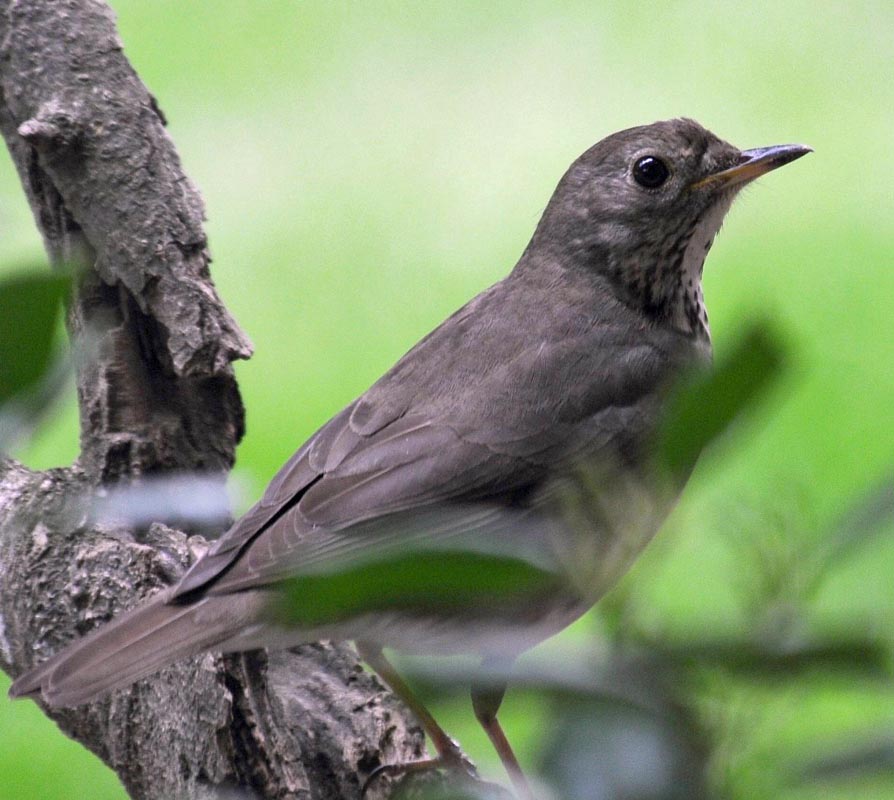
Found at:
[480, 437]
[341, 478]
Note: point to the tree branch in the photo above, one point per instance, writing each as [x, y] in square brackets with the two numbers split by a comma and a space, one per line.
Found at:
[157, 395]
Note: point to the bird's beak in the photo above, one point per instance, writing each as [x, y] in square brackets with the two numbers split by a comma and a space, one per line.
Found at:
[752, 164]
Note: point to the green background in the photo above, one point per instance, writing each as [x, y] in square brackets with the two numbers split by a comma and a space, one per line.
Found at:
[368, 167]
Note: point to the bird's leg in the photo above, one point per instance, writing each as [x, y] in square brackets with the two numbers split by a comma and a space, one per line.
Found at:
[450, 756]
[486, 701]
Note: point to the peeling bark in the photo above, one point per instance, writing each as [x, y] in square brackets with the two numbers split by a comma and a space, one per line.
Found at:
[157, 395]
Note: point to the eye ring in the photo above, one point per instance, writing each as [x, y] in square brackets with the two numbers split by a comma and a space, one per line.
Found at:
[650, 172]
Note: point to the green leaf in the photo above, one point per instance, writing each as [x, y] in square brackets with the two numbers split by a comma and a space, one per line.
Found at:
[416, 581]
[705, 406]
[30, 305]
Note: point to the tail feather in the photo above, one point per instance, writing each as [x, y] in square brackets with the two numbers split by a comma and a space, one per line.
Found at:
[136, 645]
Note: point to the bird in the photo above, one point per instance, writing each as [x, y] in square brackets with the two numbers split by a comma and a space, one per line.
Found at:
[473, 437]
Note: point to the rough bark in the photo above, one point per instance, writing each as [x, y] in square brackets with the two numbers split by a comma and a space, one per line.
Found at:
[157, 395]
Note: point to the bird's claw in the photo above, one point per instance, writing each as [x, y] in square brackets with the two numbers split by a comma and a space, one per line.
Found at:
[451, 758]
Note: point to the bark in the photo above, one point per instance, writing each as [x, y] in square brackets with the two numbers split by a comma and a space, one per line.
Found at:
[157, 395]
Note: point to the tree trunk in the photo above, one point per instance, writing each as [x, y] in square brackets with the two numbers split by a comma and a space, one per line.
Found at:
[157, 396]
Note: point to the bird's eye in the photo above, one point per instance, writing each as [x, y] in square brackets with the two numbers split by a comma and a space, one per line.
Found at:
[650, 172]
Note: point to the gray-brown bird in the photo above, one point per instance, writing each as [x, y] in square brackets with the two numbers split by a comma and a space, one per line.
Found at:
[469, 439]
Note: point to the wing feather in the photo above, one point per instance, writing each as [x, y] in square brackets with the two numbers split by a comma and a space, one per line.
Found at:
[480, 432]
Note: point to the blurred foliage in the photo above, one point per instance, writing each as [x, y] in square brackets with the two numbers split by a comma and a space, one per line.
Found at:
[418, 580]
[29, 307]
[654, 717]
[367, 168]
[704, 407]
[31, 368]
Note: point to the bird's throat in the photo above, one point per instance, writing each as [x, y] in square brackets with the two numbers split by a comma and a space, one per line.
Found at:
[668, 284]
[688, 312]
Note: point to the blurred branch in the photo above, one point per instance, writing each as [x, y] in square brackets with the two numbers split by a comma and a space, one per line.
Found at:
[858, 527]
[157, 395]
[870, 755]
[647, 673]
[785, 660]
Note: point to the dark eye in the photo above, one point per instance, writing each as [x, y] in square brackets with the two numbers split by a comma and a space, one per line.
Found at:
[650, 172]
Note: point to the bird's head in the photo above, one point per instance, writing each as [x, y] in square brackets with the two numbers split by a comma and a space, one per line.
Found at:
[642, 208]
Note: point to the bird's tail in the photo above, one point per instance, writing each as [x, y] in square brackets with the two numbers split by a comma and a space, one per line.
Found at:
[135, 645]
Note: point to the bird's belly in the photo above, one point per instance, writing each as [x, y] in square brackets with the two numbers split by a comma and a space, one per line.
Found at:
[485, 636]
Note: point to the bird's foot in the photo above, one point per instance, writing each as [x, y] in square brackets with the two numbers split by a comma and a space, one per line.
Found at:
[450, 757]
